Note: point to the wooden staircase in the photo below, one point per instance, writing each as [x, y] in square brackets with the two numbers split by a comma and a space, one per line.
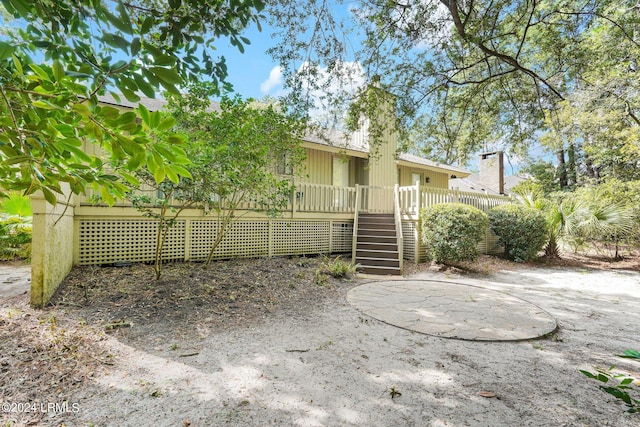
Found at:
[377, 244]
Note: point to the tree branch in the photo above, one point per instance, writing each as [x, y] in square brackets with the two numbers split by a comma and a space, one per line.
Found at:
[453, 9]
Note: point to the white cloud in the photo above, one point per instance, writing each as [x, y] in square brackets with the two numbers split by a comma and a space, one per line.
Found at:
[274, 80]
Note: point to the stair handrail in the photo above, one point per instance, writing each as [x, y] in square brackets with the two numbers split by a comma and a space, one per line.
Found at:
[398, 220]
[354, 242]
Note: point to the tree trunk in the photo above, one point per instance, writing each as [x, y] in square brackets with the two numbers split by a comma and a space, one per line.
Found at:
[562, 170]
[572, 175]
[551, 249]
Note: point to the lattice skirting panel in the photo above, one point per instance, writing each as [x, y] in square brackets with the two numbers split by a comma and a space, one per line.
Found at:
[409, 236]
[109, 241]
[105, 241]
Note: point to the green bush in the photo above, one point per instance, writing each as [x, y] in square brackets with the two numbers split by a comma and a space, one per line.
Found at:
[15, 237]
[337, 268]
[522, 230]
[452, 231]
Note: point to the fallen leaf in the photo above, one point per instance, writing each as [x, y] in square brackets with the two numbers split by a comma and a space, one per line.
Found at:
[487, 394]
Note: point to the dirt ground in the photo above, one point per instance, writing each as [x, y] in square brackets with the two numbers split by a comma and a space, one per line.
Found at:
[260, 342]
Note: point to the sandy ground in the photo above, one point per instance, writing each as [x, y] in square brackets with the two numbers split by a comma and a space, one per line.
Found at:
[332, 366]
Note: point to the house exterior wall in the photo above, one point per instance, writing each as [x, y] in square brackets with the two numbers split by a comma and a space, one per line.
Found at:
[52, 249]
[318, 167]
[436, 179]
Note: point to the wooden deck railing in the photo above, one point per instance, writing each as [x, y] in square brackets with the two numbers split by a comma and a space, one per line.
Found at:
[324, 198]
[375, 199]
[415, 197]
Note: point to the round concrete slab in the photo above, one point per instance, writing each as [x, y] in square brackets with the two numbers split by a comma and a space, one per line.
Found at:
[452, 310]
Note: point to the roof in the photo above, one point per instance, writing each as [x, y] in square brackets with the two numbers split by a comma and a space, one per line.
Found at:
[472, 184]
[413, 160]
[335, 141]
[331, 140]
[152, 104]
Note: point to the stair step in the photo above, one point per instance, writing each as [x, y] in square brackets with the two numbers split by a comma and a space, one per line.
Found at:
[377, 239]
[371, 246]
[382, 271]
[377, 262]
[376, 232]
[365, 253]
[376, 225]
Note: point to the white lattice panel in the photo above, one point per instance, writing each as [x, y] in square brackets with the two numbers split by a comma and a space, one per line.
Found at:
[409, 240]
[243, 239]
[341, 237]
[300, 237]
[108, 241]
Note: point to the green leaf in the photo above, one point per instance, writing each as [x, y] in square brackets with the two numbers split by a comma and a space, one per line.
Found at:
[136, 160]
[135, 182]
[17, 64]
[19, 6]
[130, 95]
[166, 123]
[119, 22]
[49, 196]
[40, 72]
[182, 171]
[6, 50]
[135, 46]
[58, 71]
[144, 114]
[144, 86]
[106, 196]
[172, 175]
[82, 109]
[166, 75]
[630, 354]
[45, 105]
[165, 61]
[159, 174]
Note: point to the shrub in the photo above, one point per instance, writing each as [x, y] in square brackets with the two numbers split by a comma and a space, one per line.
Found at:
[15, 237]
[452, 231]
[522, 230]
[337, 268]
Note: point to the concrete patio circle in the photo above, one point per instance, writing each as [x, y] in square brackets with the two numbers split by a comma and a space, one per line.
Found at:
[452, 310]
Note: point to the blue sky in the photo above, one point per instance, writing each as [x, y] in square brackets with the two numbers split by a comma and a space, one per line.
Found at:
[253, 73]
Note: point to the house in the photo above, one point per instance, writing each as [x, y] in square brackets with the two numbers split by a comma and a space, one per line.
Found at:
[347, 201]
[490, 179]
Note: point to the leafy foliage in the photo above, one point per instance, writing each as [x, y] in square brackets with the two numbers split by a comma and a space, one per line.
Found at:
[15, 237]
[338, 267]
[57, 57]
[505, 71]
[243, 156]
[16, 204]
[605, 213]
[625, 387]
[452, 231]
[15, 227]
[522, 230]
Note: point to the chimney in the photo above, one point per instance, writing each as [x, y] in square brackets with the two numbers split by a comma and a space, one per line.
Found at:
[492, 171]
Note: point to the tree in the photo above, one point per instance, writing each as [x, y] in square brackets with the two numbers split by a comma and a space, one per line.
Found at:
[57, 57]
[477, 72]
[243, 156]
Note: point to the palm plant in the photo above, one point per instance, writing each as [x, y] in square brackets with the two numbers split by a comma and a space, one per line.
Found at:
[577, 221]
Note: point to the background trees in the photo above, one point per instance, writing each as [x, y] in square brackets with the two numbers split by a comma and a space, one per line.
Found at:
[472, 74]
[57, 57]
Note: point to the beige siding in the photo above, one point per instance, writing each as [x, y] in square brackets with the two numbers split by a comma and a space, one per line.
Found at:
[319, 167]
[436, 179]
